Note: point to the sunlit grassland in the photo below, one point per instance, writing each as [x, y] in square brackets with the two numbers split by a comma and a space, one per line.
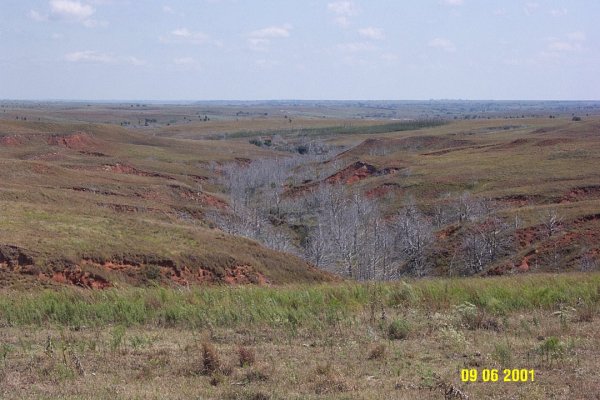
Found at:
[307, 306]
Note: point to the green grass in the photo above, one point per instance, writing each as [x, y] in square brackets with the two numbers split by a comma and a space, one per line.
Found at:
[342, 130]
[292, 307]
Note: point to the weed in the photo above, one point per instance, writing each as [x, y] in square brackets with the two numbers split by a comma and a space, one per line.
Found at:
[455, 339]
[469, 315]
[564, 314]
[216, 378]
[398, 329]
[551, 349]
[377, 352]
[585, 313]
[138, 342]
[246, 356]
[5, 350]
[503, 354]
[329, 380]
[258, 373]
[151, 272]
[210, 359]
[116, 338]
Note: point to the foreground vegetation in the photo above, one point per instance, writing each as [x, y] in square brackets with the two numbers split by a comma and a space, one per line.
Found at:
[392, 340]
[292, 307]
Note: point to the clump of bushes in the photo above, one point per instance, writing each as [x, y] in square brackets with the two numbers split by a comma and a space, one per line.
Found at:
[211, 362]
[398, 329]
[246, 356]
[377, 352]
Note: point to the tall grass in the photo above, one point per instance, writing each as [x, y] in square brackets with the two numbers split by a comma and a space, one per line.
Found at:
[309, 307]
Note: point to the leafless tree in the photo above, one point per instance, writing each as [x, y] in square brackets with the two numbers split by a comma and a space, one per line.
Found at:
[552, 222]
[413, 234]
[485, 242]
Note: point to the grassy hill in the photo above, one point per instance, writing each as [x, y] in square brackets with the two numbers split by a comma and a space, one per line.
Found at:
[104, 204]
[99, 205]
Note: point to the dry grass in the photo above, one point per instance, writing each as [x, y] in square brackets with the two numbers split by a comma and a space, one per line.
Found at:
[350, 357]
[241, 343]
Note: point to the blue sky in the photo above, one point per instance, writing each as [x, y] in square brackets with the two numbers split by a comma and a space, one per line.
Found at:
[337, 49]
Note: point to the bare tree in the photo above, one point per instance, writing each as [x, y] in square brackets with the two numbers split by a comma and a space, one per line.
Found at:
[552, 222]
[414, 239]
[485, 242]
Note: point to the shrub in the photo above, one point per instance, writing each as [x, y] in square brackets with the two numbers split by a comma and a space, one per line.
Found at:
[551, 349]
[398, 329]
[329, 380]
[377, 352]
[151, 272]
[503, 354]
[246, 356]
[210, 359]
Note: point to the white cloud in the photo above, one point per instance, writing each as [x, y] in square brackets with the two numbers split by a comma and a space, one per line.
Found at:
[282, 31]
[70, 9]
[499, 12]
[342, 7]
[37, 16]
[443, 44]
[135, 61]
[90, 56]
[342, 10]
[354, 47]
[97, 57]
[187, 64]
[561, 45]
[184, 61]
[576, 36]
[184, 35]
[531, 7]
[558, 12]
[260, 39]
[266, 64]
[558, 47]
[259, 44]
[168, 10]
[390, 57]
[372, 33]
[453, 2]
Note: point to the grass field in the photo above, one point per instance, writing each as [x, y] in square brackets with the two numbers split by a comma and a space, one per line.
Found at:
[369, 341]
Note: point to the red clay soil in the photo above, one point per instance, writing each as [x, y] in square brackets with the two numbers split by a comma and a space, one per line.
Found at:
[517, 200]
[527, 236]
[447, 232]
[212, 201]
[357, 172]
[79, 278]
[184, 276]
[52, 156]
[552, 142]
[203, 198]
[11, 141]
[120, 168]
[513, 144]
[382, 190]
[75, 141]
[582, 193]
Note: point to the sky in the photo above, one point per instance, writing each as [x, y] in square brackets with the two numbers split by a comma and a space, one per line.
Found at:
[289, 49]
